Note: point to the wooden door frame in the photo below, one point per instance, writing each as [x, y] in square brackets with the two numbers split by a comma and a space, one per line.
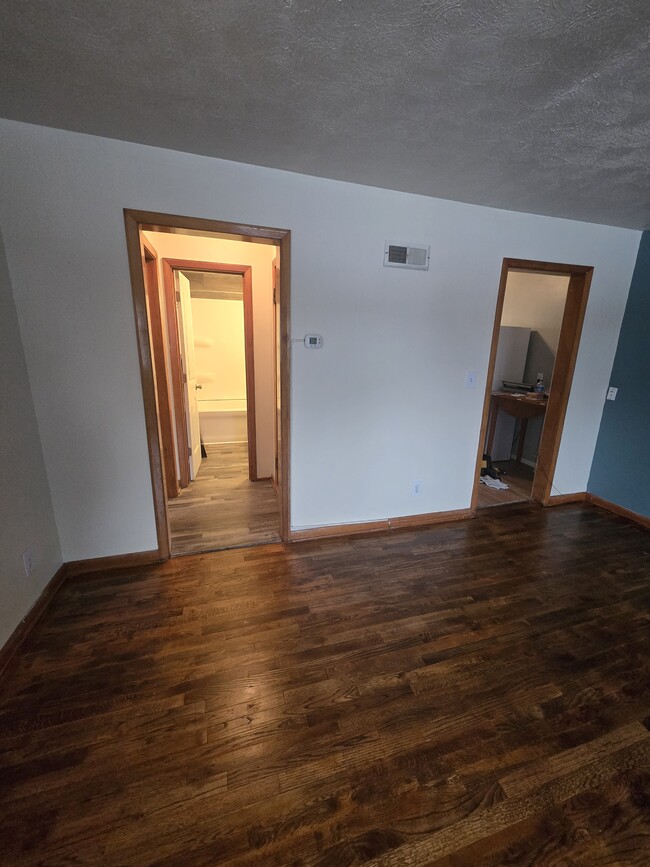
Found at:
[565, 359]
[157, 332]
[134, 222]
[245, 272]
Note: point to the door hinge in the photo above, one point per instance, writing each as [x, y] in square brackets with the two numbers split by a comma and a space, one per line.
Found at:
[189, 451]
[178, 297]
[184, 378]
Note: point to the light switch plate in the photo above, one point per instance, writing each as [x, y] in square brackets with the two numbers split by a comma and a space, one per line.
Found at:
[470, 379]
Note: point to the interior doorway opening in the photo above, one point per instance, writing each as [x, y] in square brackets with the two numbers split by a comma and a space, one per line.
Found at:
[538, 321]
[212, 309]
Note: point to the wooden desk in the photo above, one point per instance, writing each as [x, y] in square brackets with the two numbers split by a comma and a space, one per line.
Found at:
[522, 407]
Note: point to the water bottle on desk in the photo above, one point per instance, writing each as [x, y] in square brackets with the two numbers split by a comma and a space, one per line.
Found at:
[539, 386]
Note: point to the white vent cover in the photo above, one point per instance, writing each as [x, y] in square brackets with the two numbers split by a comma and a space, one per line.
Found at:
[407, 255]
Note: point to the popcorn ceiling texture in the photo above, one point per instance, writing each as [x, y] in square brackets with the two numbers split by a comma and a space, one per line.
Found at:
[519, 104]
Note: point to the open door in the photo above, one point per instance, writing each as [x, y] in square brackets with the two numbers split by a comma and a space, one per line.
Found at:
[184, 310]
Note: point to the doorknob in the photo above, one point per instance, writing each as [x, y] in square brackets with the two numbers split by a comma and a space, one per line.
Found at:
[198, 386]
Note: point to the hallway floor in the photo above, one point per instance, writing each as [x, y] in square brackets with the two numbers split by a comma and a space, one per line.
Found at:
[518, 477]
[222, 508]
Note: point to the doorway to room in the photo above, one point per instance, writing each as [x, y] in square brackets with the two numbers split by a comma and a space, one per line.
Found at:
[215, 306]
[538, 321]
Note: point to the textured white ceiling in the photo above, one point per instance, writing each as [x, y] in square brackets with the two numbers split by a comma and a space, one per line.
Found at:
[532, 105]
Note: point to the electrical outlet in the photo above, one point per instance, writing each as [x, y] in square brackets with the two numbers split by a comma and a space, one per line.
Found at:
[28, 560]
[470, 379]
[417, 489]
[611, 393]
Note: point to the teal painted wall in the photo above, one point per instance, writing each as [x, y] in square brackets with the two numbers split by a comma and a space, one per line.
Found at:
[620, 471]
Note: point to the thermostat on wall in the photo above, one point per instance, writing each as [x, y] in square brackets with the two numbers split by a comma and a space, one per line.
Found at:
[313, 341]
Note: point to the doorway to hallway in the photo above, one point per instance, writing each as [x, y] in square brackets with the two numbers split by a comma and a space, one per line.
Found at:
[217, 326]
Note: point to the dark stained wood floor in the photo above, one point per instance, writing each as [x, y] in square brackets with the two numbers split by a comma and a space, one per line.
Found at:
[222, 508]
[476, 693]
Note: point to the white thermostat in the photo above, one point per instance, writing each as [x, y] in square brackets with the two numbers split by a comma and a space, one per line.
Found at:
[313, 341]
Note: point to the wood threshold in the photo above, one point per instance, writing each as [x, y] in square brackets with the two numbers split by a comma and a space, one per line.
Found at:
[601, 503]
[328, 531]
[20, 634]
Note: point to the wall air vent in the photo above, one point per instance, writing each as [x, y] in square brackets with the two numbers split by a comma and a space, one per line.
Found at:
[407, 256]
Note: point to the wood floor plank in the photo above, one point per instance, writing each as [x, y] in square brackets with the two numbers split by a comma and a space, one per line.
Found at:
[473, 693]
[222, 508]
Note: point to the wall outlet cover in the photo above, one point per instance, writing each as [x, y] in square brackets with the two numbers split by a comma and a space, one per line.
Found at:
[611, 393]
[417, 488]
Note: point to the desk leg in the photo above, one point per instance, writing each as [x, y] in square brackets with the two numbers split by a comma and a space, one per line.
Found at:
[522, 439]
[494, 412]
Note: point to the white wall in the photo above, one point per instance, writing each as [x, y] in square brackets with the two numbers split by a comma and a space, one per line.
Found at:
[260, 258]
[26, 516]
[381, 404]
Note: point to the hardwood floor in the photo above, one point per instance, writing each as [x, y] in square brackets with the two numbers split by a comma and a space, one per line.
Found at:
[222, 508]
[476, 693]
[519, 478]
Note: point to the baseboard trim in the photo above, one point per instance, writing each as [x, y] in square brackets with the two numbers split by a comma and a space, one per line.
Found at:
[429, 518]
[643, 520]
[18, 637]
[560, 499]
[327, 531]
[116, 561]
[331, 531]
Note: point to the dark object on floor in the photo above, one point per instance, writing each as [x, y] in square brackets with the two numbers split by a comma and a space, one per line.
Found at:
[488, 469]
[204, 454]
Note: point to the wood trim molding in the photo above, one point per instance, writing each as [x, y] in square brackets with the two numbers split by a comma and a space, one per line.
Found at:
[20, 634]
[560, 499]
[284, 300]
[246, 273]
[136, 220]
[565, 361]
[429, 518]
[176, 374]
[158, 341]
[330, 531]
[152, 422]
[567, 352]
[501, 294]
[601, 503]
[76, 568]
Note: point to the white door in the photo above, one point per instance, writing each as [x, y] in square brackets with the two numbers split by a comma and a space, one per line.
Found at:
[189, 370]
